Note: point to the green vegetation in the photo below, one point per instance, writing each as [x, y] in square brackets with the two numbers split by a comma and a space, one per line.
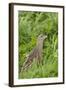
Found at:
[32, 24]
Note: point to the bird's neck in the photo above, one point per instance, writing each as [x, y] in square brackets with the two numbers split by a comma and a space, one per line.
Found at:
[39, 45]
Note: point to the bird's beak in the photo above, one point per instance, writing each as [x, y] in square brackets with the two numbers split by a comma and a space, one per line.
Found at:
[45, 37]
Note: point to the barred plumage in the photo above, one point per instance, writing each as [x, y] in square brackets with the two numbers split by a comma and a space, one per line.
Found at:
[36, 53]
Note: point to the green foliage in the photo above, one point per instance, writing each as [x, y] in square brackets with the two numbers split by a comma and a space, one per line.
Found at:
[32, 24]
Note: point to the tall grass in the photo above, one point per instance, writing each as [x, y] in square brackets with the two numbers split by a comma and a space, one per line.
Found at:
[31, 24]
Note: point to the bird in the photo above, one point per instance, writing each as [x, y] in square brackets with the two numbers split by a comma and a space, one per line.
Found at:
[35, 54]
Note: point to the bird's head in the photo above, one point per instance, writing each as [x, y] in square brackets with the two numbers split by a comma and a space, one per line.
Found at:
[42, 37]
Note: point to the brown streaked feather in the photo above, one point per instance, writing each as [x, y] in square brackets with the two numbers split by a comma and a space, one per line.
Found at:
[36, 53]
